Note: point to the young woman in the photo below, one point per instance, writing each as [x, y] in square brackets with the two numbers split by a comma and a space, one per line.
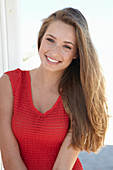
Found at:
[49, 114]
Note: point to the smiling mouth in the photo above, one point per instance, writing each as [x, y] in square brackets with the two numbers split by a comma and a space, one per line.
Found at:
[52, 60]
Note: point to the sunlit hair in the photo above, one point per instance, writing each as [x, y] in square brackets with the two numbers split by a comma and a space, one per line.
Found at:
[82, 85]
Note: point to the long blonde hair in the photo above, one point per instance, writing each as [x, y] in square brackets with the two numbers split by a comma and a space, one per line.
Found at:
[82, 84]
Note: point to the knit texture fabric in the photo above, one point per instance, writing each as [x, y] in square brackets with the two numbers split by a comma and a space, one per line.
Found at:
[39, 135]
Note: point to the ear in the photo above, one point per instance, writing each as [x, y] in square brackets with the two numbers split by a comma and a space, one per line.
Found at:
[74, 57]
[76, 54]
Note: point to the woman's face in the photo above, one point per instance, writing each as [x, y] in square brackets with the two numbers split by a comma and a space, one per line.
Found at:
[58, 46]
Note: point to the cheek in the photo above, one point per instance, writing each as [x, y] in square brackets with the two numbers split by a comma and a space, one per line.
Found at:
[69, 56]
[44, 47]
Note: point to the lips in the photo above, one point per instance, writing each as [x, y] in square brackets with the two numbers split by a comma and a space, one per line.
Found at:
[51, 60]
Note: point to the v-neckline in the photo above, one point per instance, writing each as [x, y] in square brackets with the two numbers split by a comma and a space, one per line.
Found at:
[31, 100]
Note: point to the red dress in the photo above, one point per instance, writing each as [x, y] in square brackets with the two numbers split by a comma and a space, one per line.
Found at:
[39, 135]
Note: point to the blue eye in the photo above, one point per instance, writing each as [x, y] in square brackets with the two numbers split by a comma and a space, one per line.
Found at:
[66, 46]
[50, 40]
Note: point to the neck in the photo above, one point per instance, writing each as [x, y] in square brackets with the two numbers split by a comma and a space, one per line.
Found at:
[47, 79]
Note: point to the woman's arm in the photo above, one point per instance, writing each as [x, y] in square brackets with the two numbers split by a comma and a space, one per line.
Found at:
[8, 145]
[67, 155]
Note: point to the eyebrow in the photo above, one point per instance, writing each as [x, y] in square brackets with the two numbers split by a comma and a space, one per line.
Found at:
[67, 42]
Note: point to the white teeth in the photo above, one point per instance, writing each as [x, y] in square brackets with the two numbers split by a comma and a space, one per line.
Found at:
[51, 60]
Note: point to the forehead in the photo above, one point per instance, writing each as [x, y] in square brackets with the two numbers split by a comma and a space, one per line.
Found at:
[60, 29]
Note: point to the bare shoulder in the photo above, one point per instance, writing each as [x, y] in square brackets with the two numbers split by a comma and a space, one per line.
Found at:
[33, 73]
[6, 96]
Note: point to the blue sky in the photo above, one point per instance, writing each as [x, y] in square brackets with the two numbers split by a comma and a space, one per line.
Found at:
[43, 8]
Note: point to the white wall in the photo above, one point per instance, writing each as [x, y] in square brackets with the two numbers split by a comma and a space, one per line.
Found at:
[10, 35]
[3, 38]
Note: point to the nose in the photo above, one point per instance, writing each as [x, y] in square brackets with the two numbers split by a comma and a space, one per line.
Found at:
[57, 50]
